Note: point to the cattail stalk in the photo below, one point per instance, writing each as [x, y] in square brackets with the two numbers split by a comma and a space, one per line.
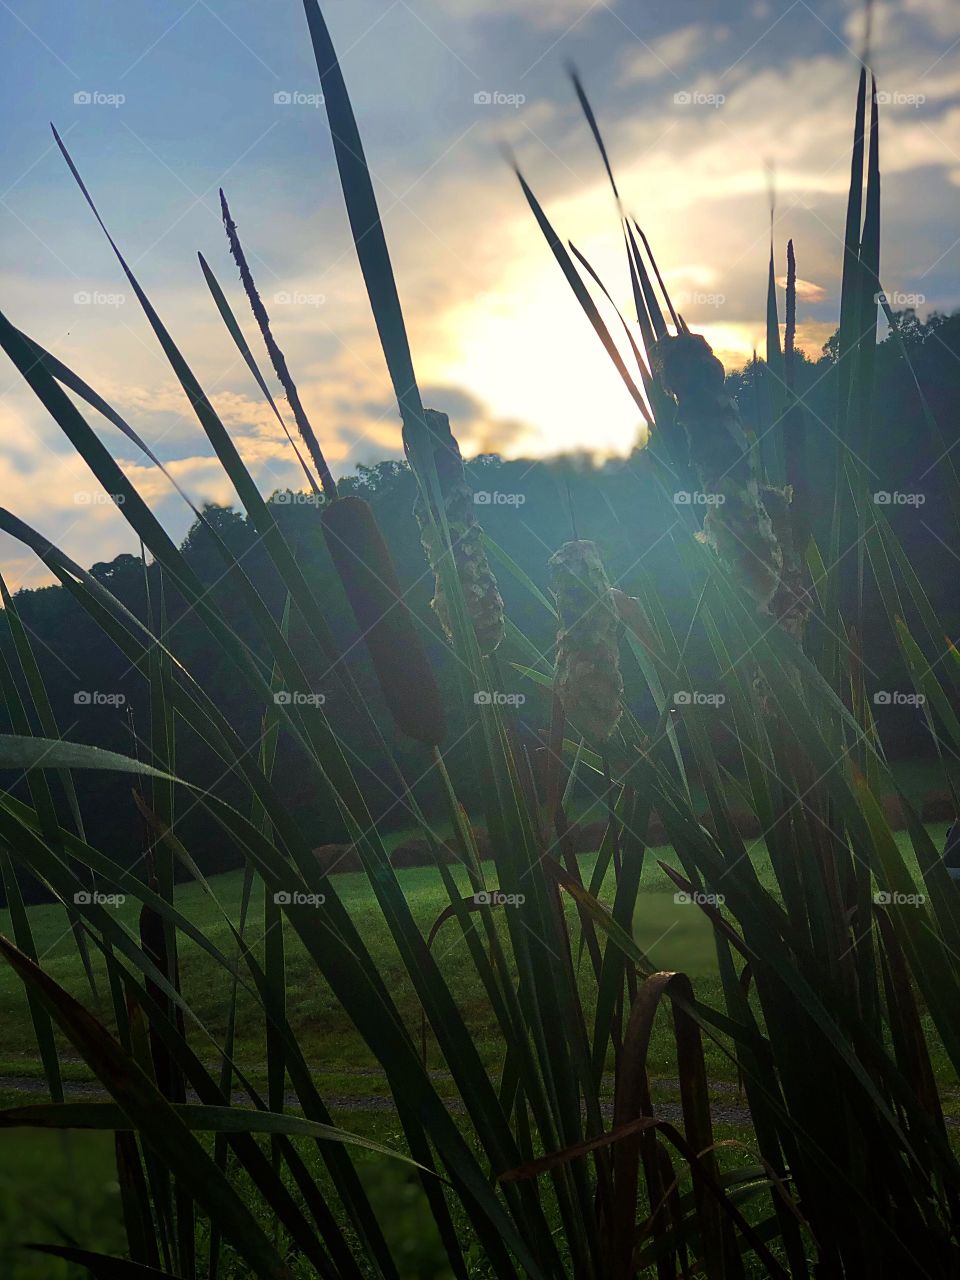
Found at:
[588, 681]
[484, 605]
[365, 567]
[737, 525]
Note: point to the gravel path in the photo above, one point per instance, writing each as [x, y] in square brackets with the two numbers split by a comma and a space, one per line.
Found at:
[724, 1112]
[728, 1108]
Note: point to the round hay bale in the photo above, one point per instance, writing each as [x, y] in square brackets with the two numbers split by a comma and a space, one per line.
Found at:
[938, 806]
[893, 812]
[335, 858]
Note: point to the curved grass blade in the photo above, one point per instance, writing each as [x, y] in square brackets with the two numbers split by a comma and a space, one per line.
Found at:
[197, 1118]
[101, 1266]
[20, 752]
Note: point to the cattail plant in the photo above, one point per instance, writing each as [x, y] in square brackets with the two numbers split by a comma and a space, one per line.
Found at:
[588, 681]
[482, 599]
[365, 567]
[360, 556]
[838, 1008]
[737, 526]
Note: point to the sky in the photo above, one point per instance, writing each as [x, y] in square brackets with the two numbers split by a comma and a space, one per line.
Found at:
[162, 103]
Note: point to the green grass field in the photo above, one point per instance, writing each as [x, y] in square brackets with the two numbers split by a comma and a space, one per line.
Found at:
[55, 1185]
[674, 936]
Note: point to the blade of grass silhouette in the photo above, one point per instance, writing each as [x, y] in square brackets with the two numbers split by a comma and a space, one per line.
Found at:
[580, 292]
[795, 423]
[774, 354]
[869, 279]
[104, 1265]
[276, 355]
[651, 307]
[851, 254]
[638, 354]
[368, 235]
[594, 129]
[632, 252]
[656, 271]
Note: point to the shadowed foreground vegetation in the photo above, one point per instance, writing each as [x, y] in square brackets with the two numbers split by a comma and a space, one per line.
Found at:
[483, 1068]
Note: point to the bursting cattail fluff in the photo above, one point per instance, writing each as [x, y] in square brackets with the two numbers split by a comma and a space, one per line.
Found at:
[588, 681]
[365, 567]
[737, 525]
[484, 606]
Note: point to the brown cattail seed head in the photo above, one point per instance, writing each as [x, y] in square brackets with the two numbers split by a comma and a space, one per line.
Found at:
[365, 567]
[588, 680]
[484, 606]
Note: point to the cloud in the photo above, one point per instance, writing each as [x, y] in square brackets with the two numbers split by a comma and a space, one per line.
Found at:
[55, 493]
[942, 16]
[812, 334]
[903, 24]
[667, 55]
[476, 429]
[557, 15]
[806, 290]
[497, 338]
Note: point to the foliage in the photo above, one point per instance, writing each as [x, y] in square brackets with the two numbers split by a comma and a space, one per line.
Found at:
[838, 982]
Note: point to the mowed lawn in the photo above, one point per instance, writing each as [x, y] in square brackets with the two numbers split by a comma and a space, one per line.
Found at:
[674, 935]
[52, 1183]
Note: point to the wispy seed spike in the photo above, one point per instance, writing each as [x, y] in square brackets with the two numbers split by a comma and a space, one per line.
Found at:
[276, 355]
